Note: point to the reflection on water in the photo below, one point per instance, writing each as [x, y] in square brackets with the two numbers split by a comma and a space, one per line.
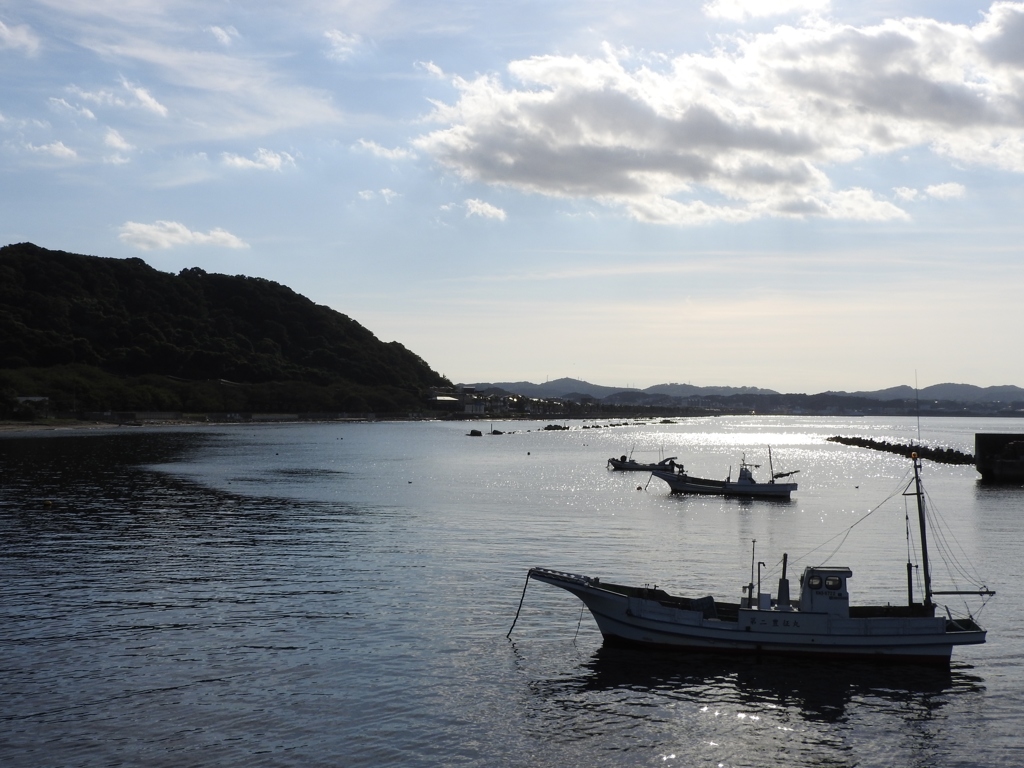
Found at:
[284, 596]
[747, 711]
[816, 689]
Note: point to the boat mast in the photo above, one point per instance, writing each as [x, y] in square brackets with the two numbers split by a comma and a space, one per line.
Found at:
[924, 530]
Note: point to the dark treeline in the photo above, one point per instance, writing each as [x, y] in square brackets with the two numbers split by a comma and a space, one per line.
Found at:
[97, 333]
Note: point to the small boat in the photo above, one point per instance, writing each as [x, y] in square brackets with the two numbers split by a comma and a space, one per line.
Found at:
[744, 485]
[821, 622]
[624, 464]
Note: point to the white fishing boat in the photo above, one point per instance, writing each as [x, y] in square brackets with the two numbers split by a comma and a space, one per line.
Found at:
[744, 485]
[820, 622]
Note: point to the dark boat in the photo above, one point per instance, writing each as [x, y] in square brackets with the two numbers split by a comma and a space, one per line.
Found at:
[625, 464]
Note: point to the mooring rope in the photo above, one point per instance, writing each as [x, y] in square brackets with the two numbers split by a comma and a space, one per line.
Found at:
[509, 635]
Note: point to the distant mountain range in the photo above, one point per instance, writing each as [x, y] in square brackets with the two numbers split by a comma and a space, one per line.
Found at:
[573, 389]
[961, 393]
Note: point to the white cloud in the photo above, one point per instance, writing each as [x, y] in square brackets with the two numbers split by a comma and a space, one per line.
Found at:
[55, 149]
[342, 46]
[115, 140]
[741, 10]
[168, 234]
[476, 207]
[431, 68]
[144, 98]
[19, 38]
[387, 194]
[264, 160]
[905, 193]
[136, 97]
[754, 129]
[949, 191]
[224, 35]
[216, 94]
[64, 106]
[390, 154]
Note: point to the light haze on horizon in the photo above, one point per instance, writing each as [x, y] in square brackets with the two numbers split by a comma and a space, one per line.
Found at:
[797, 195]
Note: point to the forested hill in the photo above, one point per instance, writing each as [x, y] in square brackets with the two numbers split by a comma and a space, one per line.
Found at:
[64, 316]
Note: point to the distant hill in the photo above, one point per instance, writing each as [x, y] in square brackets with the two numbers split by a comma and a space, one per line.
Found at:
[573, 388]
[960, 393]
[665, 395]
[688, 390]
[88, 329]
[551, 389]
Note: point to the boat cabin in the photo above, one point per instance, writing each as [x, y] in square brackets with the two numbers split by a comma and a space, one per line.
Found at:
[823, 590]
[746, 476]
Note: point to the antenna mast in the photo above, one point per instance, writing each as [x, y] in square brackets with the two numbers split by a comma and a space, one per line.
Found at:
[924, 531]
[917, 402]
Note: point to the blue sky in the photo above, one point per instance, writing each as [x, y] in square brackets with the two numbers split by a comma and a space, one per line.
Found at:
[793, 194]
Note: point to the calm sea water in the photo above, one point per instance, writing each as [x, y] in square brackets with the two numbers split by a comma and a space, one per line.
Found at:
[340, 594]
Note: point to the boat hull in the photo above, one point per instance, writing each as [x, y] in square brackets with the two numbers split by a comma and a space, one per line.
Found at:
[627, 618]
[697, 485]
[634, 466]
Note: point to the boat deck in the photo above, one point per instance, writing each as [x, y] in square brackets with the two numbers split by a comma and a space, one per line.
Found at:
[722, 611]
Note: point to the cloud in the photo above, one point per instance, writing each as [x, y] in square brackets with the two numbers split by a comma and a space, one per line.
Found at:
[264, 160]
[948, 191]
[144, 99]
[224, 35]
[64, 106]
[387, 194]
[905, 193]
[484, 210]
[216, 94]
[121, 147]
[115, 140]
[390, 154]
[134, 96]
[342, 46]
[55, 149]
[741, 10]
[430, 68]
[758, 128]
[168, 234]
[19, 38]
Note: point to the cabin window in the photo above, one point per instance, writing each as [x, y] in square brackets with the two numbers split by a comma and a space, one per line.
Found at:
[814, 582]
[833, 582]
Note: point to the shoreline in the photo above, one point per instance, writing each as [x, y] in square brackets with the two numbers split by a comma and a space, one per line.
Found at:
[77, 425]
[7, 427]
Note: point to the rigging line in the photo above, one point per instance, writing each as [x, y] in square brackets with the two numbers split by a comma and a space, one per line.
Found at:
[847, 532]
[912, 549]
[951, 559]
[951, 562]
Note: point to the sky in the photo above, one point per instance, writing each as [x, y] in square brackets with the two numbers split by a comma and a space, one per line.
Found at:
[800, 195]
